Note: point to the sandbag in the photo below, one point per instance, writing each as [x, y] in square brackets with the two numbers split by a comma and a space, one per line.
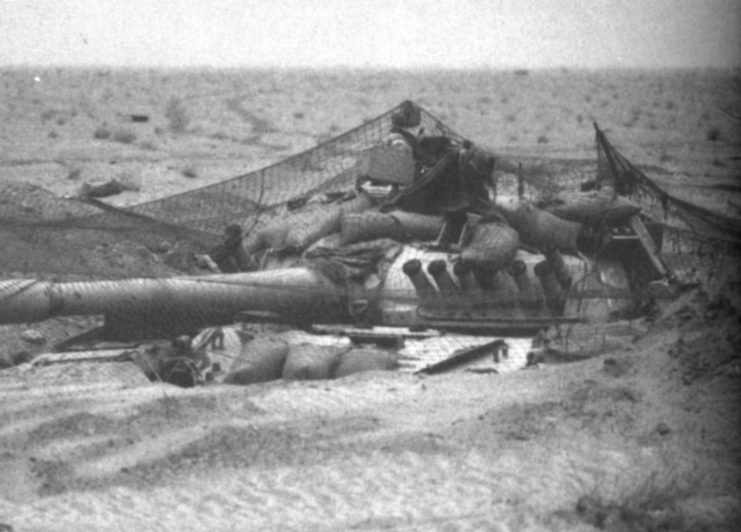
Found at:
[366, 359]
[299, 229]
[397, 225]
[312, 362]
[541, 229]
[491, 246]
[324, 220]
[595, 209]
[260, 360]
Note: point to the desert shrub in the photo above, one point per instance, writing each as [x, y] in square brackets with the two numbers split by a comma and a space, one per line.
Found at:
[543, 139]
[713, 134]
[299, 115]
[53, 134]
[148, 145]
[124, 136]
[177, 115]
[101, 132]
[74, 173]
[189, 171]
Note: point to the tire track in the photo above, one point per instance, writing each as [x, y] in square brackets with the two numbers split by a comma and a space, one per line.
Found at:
[410, 491]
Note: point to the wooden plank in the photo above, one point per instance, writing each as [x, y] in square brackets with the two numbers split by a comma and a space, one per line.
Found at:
[649, 245]
[461, 357]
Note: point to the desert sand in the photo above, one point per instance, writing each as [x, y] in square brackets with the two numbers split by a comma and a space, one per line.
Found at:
[642, 438]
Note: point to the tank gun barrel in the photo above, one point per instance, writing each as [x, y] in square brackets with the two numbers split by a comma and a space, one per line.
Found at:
[287, 291]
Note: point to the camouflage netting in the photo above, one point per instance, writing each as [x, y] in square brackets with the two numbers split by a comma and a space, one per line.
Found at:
[47, 234]
[74, 239]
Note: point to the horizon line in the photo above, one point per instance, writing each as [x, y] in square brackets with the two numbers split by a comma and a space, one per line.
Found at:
[366, 68]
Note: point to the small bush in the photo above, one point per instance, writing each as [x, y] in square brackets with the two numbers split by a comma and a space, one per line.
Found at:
[101, 133]
[543, 139]
[189, 171]
[177, 115]
[124, 136]
[74, 174]
[148, 145]
[713, 134]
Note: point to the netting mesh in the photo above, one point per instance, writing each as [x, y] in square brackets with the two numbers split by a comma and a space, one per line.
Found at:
[48, 234]
[690, 237]
[304, 265]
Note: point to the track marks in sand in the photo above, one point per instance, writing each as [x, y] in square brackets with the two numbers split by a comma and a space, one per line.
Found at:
[398, 490]
[140, 453]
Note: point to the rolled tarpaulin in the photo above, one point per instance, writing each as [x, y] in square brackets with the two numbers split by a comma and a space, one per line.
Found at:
[397, 225]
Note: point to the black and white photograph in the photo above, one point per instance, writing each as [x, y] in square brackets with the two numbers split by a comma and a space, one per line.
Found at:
[414, 265]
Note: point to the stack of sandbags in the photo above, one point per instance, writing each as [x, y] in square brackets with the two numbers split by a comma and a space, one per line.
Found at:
[267, 359]
[397, 225]
[299, 230]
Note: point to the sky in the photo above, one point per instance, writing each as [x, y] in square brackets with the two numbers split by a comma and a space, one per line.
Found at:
[372, 33]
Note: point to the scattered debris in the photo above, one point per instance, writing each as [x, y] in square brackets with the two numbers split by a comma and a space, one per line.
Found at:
[492, 349]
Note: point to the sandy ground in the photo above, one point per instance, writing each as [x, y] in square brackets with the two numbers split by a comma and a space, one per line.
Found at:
[644, 438]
